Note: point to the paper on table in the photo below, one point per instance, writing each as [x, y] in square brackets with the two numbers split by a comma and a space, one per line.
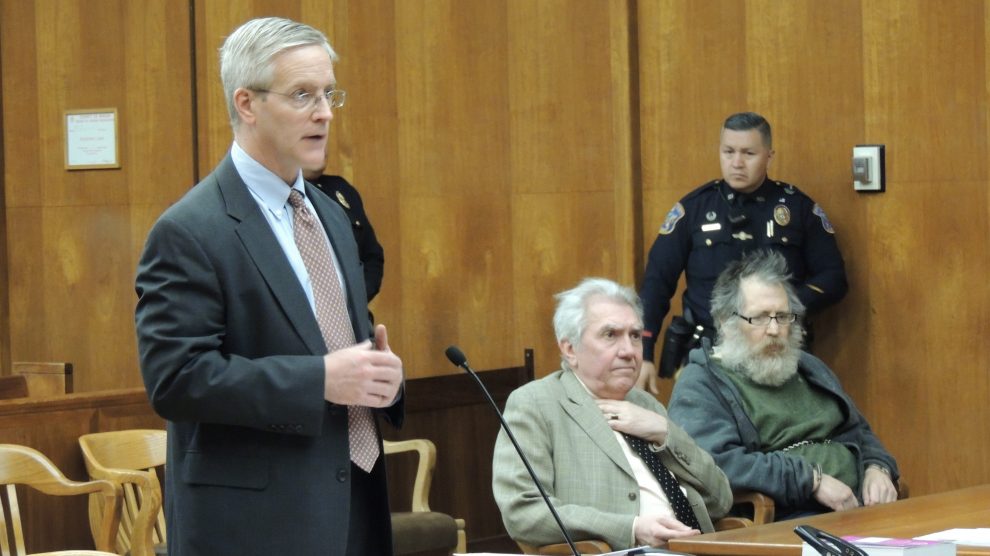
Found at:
[969, 537]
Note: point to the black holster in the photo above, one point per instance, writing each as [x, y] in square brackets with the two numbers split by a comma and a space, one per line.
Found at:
[677, 342]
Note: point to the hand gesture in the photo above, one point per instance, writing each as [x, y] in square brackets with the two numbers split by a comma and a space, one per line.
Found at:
[363, 374]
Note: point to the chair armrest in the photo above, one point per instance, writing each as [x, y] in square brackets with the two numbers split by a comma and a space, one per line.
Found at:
[763, 506]
[728, 523]
[562, 549]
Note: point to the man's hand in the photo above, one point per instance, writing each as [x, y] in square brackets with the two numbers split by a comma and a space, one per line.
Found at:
[656, 530]
[363, 374]
[877, 487]
[647, 379]
[833, 493]
[632, 419]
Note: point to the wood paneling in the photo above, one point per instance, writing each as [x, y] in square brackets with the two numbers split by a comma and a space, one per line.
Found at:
[73, 237]
[4, 287]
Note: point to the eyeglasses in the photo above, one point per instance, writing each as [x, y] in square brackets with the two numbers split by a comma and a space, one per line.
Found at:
[764, 320]
[301, 100]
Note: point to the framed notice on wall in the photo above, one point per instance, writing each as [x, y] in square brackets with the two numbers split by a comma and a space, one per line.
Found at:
[91, 139]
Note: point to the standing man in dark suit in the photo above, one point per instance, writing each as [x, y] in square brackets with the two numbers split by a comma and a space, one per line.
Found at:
[253, 331]
[346, 195]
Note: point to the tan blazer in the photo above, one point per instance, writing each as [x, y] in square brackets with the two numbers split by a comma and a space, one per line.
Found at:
[582, 467]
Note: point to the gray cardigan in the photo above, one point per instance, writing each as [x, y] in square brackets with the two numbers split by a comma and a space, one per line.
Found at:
[709, 407]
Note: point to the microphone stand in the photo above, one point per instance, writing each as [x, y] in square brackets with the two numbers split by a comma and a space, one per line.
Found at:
[457, 357]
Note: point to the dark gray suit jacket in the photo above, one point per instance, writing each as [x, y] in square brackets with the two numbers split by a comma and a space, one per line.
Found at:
[231, 356]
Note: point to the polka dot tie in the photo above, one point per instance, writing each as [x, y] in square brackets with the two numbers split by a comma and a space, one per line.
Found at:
[678, 501]
[335, 324]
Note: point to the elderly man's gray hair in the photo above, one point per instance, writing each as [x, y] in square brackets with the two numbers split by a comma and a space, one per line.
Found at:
[571, 317]
[768, 267]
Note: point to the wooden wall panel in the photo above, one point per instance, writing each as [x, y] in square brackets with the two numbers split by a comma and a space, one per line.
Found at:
[454, 269]
[4, 286]
[71, 240]
[926, 99]
[571, 158]
[690, 79]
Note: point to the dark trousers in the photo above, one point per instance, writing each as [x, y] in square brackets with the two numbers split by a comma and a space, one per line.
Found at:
[370, 533]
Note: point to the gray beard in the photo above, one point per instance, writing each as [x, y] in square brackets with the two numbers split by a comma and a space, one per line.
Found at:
[770, 369]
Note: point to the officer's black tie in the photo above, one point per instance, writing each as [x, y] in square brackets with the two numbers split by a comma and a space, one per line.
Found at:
[678, 501]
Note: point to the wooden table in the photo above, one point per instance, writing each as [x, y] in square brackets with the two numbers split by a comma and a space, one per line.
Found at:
[964, 508]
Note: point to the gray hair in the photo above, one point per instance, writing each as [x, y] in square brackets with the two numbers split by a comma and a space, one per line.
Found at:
[766, 266]
[571, 317]
[745, 121]
[246, 56]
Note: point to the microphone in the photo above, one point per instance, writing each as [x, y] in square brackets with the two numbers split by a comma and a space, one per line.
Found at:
[458, 358]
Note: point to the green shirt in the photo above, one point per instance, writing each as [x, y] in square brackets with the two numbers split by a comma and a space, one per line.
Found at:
[793, 413]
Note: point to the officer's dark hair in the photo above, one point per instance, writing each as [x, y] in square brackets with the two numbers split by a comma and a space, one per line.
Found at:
[766, 266]
[745, 121]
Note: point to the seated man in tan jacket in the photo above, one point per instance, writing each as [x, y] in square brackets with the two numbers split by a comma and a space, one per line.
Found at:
[583, 428]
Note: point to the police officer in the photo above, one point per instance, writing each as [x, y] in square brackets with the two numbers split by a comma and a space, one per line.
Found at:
[720, 221]
[371, 253]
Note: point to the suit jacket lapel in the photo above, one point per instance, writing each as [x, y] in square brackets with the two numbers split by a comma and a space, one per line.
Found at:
[260, 243]
[581, 407]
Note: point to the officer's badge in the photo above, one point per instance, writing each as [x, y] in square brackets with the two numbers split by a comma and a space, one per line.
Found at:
[342, 200]
[710, 216]
[820, 212]
[670, 221]
[781, 215]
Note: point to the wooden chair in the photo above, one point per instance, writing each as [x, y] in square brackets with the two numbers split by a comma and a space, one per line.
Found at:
[423, 529]
[12, 387]
[130, 458]
[45, 379]
[584, 547]
[20, 465]
[764, 510]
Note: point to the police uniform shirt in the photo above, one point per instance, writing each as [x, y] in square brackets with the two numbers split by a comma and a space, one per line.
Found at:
[715, 225]
[369, 250]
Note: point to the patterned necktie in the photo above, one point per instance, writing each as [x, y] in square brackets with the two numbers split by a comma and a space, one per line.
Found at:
[331, 314]
[678, 501]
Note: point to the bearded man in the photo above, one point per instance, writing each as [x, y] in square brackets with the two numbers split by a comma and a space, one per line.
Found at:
[773, 417]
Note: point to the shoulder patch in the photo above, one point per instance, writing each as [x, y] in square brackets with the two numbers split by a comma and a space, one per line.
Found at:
[820, 212]
[670, 222]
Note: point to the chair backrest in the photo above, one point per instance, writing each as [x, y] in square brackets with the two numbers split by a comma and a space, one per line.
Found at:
[13, 386]
[45, 378]
[132, 459]
[424, 470]
[20, 465]
[423, 529]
